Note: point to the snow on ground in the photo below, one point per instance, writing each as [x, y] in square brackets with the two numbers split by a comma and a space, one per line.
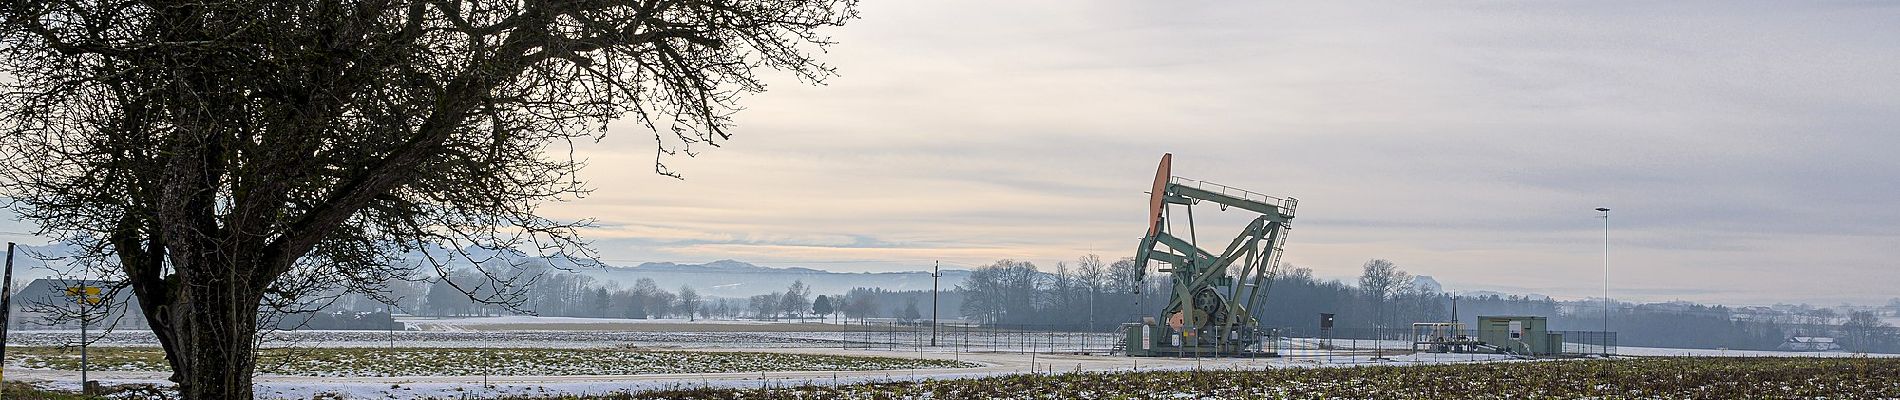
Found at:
[476, 339]
[528, 320]
[993, 364]
[570, 324]
[1001, 353]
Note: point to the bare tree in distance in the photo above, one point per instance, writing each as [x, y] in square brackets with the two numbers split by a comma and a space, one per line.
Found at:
[1380, 280]
[1860, 328]
[911, 313]
[225, 157]
[796, 300]
[860, 307]
[1125, 275]
[688, 302]
[765, 306]
[1092, 273]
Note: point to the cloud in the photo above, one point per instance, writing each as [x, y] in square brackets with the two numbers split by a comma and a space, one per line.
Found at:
[1745, 147]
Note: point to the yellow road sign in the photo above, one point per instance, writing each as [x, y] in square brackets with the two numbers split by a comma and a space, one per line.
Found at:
[85, 294]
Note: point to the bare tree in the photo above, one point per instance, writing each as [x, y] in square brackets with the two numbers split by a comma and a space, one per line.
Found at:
[765, 305]
[860, 306]
[1093, 275]
[688, 301]
[229, 156]
[1381, 280]
[1006, 291]
[1124, 276]
[911, 314]
[1861, 328]
[796, 300]
[662, 304]
[1819, 318]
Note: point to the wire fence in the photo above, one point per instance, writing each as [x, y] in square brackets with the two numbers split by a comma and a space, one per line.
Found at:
[1463, 340]
[1062, 339]
[998, 338]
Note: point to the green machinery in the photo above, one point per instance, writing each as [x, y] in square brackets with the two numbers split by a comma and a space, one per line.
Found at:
[1210, 311]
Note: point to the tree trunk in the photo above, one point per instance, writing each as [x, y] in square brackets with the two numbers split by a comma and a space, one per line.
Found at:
[211, 323]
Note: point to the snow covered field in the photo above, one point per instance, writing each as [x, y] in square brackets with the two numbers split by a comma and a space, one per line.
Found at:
[506, 339]
[990, 364]
[384, 362]
[548, 332]
[575, 324]
[993, 352]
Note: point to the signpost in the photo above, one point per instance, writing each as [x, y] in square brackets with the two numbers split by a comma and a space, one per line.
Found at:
[87, 297]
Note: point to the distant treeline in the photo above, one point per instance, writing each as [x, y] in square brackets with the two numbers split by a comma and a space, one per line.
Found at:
[1093, 295]
[337, 320]
[1090, 295]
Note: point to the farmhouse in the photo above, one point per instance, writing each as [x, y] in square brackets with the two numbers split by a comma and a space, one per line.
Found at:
[54, 303]
[1810, 343]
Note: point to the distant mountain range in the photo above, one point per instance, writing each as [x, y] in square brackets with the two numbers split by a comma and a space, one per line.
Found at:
[723, 278]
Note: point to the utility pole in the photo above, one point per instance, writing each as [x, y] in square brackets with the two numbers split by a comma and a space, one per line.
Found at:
[6, 310]
[1095, 289]
[1606, 273]
[936, 271]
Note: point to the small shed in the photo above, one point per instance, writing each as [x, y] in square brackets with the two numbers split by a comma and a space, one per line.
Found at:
[1519, 335]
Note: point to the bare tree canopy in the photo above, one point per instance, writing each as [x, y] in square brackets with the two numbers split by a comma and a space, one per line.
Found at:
[1382, 279]
[222, 157]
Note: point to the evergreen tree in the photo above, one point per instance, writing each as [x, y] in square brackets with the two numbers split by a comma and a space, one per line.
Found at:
[821, 306]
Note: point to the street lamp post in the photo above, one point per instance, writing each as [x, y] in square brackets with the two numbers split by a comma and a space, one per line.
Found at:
[1606, 269]
[936, 271]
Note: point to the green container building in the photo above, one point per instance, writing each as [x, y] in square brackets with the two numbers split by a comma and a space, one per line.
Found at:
[1526, 335]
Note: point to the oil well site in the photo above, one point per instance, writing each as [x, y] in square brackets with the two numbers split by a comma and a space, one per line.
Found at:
[948, 199]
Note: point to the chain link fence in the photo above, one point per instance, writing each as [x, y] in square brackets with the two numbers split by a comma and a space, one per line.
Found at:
[1061, 339]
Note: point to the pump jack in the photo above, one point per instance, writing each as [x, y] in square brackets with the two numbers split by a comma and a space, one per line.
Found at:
[1211, 309]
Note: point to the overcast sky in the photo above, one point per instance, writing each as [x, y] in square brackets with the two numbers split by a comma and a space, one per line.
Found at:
[1748, 149]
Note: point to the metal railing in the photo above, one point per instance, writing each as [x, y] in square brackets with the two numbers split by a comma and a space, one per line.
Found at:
[1286, 204]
